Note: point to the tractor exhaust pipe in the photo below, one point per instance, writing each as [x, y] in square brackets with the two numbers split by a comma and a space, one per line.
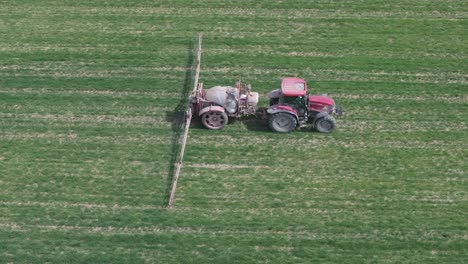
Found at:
[339, 111]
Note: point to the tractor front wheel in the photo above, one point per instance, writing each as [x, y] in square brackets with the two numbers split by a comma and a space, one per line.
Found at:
[325, 124]
[282, 122]
[214, 120]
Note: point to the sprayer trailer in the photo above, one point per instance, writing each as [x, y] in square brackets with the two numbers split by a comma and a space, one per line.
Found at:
[216, 105]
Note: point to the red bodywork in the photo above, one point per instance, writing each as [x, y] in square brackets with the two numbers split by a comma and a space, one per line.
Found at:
[292, 86]
[283, 108]
[318, 103]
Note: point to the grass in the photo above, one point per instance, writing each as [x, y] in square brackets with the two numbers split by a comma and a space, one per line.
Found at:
[91, 92]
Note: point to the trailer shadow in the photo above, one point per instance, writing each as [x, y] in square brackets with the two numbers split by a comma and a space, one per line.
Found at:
[177, 120]
[253, 123]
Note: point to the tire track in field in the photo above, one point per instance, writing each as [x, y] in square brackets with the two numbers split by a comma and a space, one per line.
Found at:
[374, 235]
[99, 49]
[396, 125]
[64, 137]
[260, 211]
[70, 118]
[305, 52]
[174, 73]
[72, 122]
[357, 142]
[95, 74]
[79, 205]
[263, 50]
[462, 99]
[189, 12]
[347, 75]
[158, 94]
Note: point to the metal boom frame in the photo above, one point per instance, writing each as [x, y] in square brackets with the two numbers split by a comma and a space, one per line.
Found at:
[188, 119]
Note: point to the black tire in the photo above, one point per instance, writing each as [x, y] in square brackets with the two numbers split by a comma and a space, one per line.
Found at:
[282, 122]
[325, 124]
[214, 120]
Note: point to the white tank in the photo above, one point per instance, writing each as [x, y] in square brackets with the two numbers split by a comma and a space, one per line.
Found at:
[252, 98]
[224, 96]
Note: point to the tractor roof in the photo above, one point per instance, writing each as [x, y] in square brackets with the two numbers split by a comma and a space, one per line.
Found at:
[292, 86]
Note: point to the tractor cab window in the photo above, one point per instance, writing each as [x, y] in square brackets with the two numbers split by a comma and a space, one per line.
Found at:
[297, 102]
[290, 100]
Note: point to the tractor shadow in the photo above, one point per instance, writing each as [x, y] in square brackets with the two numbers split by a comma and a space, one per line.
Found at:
[177, 120]
[252, 123]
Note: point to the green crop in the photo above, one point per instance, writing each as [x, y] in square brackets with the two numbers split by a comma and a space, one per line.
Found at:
[91, 100]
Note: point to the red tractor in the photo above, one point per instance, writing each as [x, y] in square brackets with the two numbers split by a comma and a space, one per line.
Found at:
[291, 107]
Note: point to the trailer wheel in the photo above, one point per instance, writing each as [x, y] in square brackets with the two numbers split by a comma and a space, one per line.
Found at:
[325, 124]
[282, 122]
[214, 120]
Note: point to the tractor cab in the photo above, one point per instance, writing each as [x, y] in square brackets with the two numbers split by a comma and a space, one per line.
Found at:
[294, 94]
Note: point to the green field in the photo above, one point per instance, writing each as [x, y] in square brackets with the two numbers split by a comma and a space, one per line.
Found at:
[91, 93]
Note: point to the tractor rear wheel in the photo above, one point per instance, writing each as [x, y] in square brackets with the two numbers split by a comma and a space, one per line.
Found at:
[282, 122]
[214, 120]
[325, 124]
